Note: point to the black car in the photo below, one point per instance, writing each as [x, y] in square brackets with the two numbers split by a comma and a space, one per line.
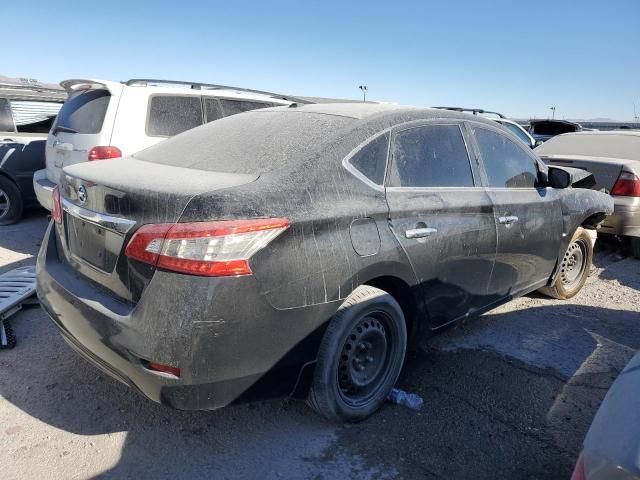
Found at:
[27, 111]
[300, 249]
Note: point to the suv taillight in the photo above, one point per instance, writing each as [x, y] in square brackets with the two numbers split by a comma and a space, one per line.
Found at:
[104, 153]
[627, 185]
[211, 249]
[56, 208]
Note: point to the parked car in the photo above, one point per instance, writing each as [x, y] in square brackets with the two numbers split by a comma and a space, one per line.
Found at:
[304, 245]
[511, 125]
[612, 445]
[614, 159]
[543, 130]
[27, 110]
[104, 119]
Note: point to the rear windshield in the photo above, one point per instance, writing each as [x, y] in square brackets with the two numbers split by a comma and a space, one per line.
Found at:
[252, 142]
[84, 112]
[553, 128]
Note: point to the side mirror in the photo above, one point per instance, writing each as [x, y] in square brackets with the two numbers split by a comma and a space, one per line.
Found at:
[558, 178]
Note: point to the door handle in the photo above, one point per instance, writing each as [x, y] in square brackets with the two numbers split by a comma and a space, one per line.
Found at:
[508, 220]
[420, 232]
[62, 147]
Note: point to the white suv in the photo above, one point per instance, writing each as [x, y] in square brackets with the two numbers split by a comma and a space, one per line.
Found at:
[103, 119]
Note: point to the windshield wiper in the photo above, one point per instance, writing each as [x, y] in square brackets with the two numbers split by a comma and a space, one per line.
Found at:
[60, 128]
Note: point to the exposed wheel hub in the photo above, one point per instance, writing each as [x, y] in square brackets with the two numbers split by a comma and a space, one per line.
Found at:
[573, 264]
[363, 356]
[4, 203]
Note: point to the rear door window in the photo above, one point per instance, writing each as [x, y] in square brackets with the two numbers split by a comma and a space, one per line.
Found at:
[506, 163]
[6, 119]
[371, 160]
[170, 115]
[430, 156]
[84, 113]
[231, 107]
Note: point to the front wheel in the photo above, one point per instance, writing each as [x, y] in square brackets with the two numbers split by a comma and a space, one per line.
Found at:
[360, 356]
[574, 268]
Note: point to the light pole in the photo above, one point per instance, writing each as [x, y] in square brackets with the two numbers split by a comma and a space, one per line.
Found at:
[364, 92]
[553, 113]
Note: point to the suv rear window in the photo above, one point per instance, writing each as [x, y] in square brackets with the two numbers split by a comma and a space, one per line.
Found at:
[84, 112]
[170, 115]
[6, 119]
[231, 107]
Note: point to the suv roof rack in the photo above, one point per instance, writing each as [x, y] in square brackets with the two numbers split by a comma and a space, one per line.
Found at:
[211, 86]
[475, 111]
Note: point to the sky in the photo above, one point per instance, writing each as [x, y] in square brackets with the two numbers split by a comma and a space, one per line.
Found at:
[516, 57]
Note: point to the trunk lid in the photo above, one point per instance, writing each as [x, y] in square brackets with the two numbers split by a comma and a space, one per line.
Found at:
[84, 121]
[604, 170]
[105, 202]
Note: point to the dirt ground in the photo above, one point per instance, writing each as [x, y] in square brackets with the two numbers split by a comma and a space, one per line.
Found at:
[508, 395]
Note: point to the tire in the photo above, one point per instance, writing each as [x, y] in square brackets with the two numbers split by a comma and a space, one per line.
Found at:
[10, 202]
[635, 246]
[574, 267]
[360, 356]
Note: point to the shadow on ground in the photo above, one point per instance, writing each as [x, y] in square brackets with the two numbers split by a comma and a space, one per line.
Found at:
[485, 415]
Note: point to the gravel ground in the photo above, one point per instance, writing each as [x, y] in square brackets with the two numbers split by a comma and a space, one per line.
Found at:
[509, 395]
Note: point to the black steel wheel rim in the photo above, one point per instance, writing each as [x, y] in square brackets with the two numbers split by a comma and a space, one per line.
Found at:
[365, 358]
[573, 264]
[5, 203]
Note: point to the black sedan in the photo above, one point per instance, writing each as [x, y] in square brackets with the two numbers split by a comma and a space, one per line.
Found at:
[300, 249]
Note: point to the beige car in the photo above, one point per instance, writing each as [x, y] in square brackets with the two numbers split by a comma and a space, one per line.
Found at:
[614, 159]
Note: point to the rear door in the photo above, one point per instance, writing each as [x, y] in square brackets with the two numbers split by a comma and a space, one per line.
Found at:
[528, 218]
[442, 217]
[84, 121]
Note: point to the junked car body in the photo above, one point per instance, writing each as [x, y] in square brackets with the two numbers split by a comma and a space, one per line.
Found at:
[544, 129]
[614, 159]
[612, 445]
[27, 110]
[301, 248]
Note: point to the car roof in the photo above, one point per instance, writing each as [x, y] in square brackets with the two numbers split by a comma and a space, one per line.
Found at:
[169, 87]
[366, 111]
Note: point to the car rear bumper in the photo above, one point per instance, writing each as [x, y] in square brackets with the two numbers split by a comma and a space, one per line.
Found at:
[251, 352]
[43, 188]
[625, 219]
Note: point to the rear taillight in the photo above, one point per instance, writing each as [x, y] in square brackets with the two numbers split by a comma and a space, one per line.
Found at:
[104, 153]
[212, 249]
[56, 207]
[578, 472]
[627, 185]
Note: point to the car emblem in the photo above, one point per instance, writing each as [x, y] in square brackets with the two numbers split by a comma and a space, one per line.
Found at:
[82, 194]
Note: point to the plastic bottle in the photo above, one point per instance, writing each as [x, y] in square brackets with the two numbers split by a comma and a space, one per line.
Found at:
[409, 400]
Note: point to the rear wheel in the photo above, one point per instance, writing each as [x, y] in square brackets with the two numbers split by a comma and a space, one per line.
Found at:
[360, 356]
[574, 268]
[10, 202]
